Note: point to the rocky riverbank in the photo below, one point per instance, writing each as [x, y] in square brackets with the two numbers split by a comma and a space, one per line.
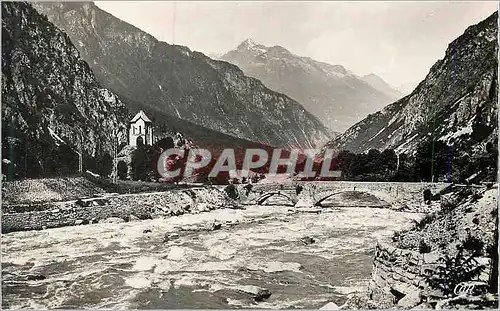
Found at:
[460, 236]
[114, 208]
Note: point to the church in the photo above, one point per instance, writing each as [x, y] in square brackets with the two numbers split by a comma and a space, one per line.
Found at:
[140, 130]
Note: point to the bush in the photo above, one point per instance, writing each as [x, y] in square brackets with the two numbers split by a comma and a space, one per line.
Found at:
[473, 244]
[122, 170]
[427, 196]
[232, 191]
[463, 267]
[248, 188]
[298, 189]
[143, 163]
[423, 247]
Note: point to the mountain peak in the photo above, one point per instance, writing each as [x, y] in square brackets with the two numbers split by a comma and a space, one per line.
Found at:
[279, 50]
[246, 44]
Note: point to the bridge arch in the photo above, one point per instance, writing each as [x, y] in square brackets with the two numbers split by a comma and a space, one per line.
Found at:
[267, 195]
[322, 197]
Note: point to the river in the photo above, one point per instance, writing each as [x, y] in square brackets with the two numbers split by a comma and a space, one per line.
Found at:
[130, 265]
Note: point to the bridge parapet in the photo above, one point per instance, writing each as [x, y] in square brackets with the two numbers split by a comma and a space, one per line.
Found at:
[404, 196]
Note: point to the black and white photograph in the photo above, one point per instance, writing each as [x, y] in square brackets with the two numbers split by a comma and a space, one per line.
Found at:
[315, 155]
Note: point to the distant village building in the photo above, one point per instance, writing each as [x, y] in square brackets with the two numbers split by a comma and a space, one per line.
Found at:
[140, 130]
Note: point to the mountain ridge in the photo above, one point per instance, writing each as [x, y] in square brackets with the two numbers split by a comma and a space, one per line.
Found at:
[183, 83]
[455, 103]
[52, 106]
[336, 96]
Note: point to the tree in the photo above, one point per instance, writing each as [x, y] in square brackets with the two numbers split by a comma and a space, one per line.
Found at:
[122, 170]
[165, 143]
[232, 191]
[432, 160]
[389, 159]
[343, 162]
[405, 169]
[143, 163]
[105, 165]
[358, 164]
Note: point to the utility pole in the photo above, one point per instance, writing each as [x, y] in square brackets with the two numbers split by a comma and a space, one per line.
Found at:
[79, 152]
[115, 155]
[433, 136]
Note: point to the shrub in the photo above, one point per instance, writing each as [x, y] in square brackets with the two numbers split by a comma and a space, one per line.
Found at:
[122, 170]
[427, 196]
[298, 189]
[248, 188]
[473, 244]
[423, 247]
[463, 267]
[232, 191]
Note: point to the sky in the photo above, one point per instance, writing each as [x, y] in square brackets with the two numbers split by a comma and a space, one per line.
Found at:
[398, 41]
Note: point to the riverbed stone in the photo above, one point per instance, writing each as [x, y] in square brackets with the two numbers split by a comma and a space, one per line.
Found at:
[307, 240]
[170, 237]
[410, 300]
[258, 293]
[330, 306]
[78, 222]
[132, 217]
[214, 226]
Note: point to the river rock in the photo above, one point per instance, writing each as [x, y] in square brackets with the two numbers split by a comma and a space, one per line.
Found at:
[307, 240]
[35, 277]
[214, 226]
[132, 217]
[78, 222]
[203, 207]
[170, 237]
[258, 293]
[410, 300]
[330, 306]
[112, 220]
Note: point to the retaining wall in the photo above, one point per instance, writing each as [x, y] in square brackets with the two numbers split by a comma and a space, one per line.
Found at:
[142, 206]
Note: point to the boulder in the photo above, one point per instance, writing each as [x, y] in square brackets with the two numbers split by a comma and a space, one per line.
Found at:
[147, 230]
[307, 240]
[170, 237]
[132, 217]
[214, 226]
[203, 207]
[257, 293]
[410, 300]
[330, 306]
[78, 222]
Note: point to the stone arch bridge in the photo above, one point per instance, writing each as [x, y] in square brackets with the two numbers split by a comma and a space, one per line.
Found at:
[401, 196]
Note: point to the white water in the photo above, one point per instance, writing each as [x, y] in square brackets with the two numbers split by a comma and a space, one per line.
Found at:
[120, 266]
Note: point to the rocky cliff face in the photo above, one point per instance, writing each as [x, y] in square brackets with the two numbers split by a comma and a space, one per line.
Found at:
[336, 96]
[379, 84]
[456, 103]
[175, 80]
[50, 99]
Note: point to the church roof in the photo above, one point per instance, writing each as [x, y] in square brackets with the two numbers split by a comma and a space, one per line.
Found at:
[140, 115]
